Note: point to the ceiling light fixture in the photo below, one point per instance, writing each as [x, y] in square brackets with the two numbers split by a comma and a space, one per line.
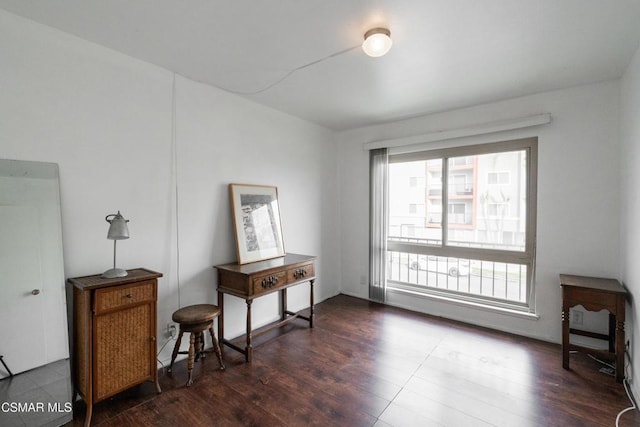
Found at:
[377, 42]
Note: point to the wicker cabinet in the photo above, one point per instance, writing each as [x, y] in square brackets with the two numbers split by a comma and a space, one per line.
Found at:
[114, 334]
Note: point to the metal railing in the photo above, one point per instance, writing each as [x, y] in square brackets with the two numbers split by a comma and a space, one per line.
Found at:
[468, 277]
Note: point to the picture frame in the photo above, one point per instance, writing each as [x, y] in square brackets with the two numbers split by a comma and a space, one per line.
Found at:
[256, 220]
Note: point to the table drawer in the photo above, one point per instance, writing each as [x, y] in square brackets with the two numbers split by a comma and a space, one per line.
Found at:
[269, 282]
[590, 299]
[303, 272]
[120, 296]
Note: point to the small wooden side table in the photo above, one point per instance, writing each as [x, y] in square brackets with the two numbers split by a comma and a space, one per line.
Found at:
[595, 294]
[250, 281]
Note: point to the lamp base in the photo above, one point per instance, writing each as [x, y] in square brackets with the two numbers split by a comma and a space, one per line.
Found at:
[112, 273]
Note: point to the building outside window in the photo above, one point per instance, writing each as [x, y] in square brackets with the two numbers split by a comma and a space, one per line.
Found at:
[498, 177]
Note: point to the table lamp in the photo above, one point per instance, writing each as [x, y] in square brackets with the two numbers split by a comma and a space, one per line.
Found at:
[118, 230]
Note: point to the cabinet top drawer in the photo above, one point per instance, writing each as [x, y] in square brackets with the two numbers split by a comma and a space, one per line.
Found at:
[119, 296]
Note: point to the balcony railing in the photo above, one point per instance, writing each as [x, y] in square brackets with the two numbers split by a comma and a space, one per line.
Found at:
[464, 189]
[464, 219]
[461, 189]
[465, 277]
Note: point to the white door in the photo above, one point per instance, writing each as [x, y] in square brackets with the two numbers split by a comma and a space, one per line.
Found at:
[32, 293]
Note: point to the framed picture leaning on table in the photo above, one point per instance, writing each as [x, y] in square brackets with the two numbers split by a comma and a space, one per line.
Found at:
[256, 219]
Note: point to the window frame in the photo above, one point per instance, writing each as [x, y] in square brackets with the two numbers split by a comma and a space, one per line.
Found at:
[525, 257]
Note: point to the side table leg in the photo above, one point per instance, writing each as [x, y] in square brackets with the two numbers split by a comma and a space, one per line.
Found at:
[612, 333]
[249, 348]
[221, 320]
[565, 337]
[620, 350]
[283, 302]
[311, 282]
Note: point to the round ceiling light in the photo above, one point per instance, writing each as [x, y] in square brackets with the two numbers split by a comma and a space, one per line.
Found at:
[377, 42]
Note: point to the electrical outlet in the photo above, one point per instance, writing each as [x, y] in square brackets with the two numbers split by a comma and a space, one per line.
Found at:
[171, 330]
[577, 317]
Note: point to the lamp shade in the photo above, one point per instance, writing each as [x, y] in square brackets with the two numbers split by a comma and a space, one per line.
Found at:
[377, 42]
[118, 230]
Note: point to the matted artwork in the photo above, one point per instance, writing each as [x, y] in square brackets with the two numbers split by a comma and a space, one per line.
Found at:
[256, 218]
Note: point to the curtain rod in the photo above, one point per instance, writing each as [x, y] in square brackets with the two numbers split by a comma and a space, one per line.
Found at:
[473, 130]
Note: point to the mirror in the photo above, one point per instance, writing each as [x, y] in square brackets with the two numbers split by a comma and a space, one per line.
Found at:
[34, 344]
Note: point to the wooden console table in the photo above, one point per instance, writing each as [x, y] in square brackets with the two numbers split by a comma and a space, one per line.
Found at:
[595, 294]
[250, 281]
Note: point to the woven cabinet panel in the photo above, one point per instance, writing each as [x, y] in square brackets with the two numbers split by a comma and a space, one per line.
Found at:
[82, 341]
[123, 341]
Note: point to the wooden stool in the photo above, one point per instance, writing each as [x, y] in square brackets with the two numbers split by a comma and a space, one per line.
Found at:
[196, 319]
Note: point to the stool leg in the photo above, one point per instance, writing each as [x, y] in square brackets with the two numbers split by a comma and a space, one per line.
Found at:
[216, 348]
[199, 346]
[175, 351]
[203, 352]
[191, 357]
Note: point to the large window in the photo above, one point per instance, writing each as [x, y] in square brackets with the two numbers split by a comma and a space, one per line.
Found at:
[479, 248]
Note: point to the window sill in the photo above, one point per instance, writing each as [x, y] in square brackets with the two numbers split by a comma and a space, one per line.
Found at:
[468, 304]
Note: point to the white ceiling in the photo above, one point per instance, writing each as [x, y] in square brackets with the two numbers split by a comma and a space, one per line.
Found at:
[446, 54]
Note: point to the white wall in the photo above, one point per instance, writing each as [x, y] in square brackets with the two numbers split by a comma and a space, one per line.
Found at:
[222, 139]
[106, 119]
[630, 203]
[578, 197]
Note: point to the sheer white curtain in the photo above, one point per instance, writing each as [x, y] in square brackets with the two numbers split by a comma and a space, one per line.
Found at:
[378, 194]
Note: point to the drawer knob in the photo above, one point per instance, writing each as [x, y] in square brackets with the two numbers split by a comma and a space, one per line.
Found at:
[128, 296]
[269, 282]
[300, 273]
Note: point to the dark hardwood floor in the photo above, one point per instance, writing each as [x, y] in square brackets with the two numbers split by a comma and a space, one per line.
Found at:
[365, 364]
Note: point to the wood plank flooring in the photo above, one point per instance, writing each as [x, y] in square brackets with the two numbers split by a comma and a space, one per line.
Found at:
[366, 364]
